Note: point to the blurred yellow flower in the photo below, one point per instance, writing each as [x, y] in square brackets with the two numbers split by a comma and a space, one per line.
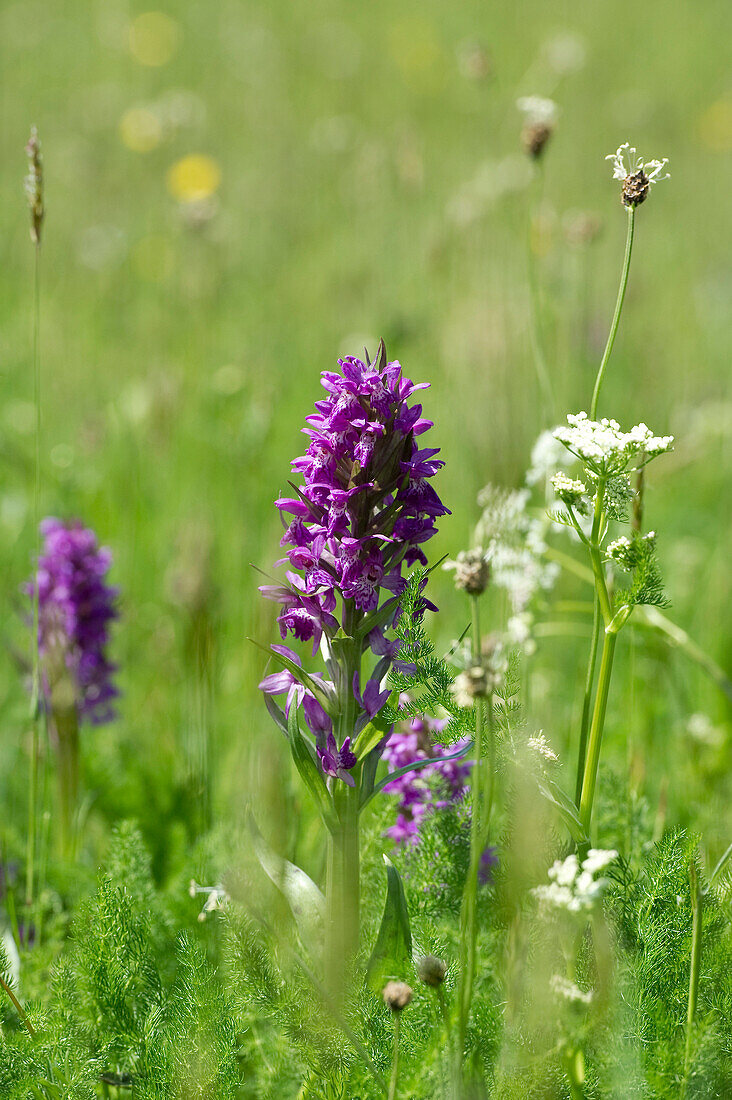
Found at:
[140, 130]
[193, 178]
[154, 38]
[715, 126]
[417, 52]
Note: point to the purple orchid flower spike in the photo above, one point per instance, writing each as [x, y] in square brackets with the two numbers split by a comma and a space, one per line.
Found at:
[361, 514]
[338, 762]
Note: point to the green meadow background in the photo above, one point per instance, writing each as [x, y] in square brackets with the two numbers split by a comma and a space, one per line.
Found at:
[237, 194]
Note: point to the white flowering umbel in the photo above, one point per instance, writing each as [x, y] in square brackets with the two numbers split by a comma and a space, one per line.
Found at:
[514, 546]
[576, 887]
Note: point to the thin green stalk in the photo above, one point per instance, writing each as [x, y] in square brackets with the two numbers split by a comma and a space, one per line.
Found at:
[697, 910]
[596, 729]
[395, 1064]
[36, 681]
[18, 1007]
[537, 343]
[587, 701]
[616, 316]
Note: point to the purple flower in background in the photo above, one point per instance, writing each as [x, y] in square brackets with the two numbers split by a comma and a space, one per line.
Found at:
[75, 609]
[363, 512]
[488, 863]
[417, 790]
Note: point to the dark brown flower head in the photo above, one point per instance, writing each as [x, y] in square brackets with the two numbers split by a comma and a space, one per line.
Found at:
[635, 188]
[397, 995]
[431, 970]
[540, 120]
[534, 137]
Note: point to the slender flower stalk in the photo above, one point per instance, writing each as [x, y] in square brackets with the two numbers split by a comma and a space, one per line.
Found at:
[33, 186]
[363, 513]
[535, 314]
[616, 315]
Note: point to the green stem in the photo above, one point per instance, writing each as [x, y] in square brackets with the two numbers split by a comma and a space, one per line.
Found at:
[697, 910]
[342, 891]
[587, 701]
[598, 723]
[395, 1065]
[537, 345]
[36, 680]
[18, 1007]
[616, 316]
[66, 724]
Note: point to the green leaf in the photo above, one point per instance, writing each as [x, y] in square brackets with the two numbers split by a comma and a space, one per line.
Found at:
[566, 809]
[310, 773]
[392, 954]
[367, 740]
[304, 898]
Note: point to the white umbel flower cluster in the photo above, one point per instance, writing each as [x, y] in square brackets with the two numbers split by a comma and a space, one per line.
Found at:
[626, 152]
[564, 989]
[541, 746]
[574, 886]
[514, 546]
[605, 449]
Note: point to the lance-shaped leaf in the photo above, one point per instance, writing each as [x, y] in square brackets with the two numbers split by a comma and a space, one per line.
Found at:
[304, 898]
[566, 809]
[392, 954]
[310, 773]
[413, 767]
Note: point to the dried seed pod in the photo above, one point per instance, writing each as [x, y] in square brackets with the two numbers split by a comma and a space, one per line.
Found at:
[431, 970]
[397, 995]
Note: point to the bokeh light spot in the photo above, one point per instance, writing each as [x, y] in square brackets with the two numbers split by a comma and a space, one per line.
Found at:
[194, 178]
[715, 126]
[140, 130]
[154, 38]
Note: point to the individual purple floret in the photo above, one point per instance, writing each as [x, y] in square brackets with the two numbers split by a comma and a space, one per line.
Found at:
[75, 609]
[417, 790]
[363, 512]
[488, 862]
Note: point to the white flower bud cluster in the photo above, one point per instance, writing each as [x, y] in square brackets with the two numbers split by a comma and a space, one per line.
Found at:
[623, 551]
[605, 448]
[573, 886]
[570, 491]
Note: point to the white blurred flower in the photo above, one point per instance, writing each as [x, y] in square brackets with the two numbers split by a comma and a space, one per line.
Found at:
[216, 897]
[541, 746]
[564, 989]
[538, 110]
